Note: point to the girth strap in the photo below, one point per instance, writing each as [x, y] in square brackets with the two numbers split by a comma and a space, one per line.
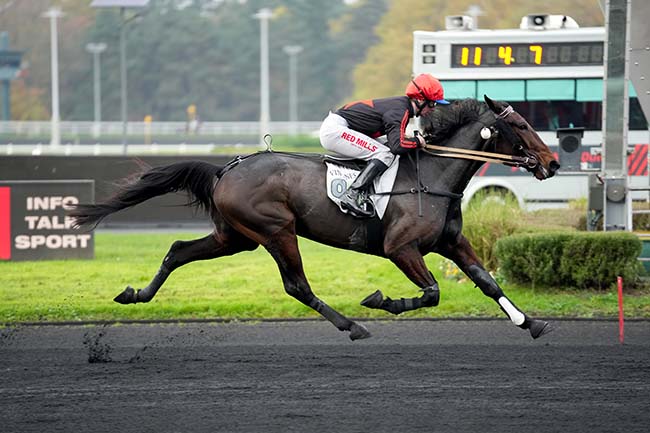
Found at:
[424, 189]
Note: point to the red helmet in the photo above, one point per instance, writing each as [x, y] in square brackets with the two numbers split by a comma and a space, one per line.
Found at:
[426, 87]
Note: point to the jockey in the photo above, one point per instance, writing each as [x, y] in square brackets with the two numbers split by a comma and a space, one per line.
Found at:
[352, 130]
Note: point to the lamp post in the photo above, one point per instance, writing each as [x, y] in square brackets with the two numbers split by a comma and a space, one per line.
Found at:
[11, 62]
[53, 14]
[123, 5]
[96, 49]
[264, 15]
[124, 109]
[292, 51]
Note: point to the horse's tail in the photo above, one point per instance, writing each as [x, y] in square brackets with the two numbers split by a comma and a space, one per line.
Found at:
[194, 177]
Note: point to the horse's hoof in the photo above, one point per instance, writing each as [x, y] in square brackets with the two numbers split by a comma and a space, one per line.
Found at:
[374, 300]
[538, 328]
[358, 332]
[126, 297]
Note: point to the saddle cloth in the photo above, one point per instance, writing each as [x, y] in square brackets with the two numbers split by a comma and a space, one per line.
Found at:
[339, 178]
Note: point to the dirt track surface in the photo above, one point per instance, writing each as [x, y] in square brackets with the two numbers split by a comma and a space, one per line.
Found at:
[412, 376]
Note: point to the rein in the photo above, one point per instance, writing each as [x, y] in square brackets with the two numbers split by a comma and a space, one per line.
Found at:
[420, 188]
[478, 155]
[529, 161]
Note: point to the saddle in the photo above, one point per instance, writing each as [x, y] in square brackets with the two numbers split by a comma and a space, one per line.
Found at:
[341, 172]
[351, 163]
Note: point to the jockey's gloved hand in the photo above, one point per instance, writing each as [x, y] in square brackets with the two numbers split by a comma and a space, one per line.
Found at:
[420, 138]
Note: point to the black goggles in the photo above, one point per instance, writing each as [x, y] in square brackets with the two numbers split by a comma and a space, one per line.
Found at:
[427, 102]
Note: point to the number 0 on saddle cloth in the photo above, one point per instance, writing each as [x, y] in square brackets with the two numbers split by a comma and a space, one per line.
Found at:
[339, 178]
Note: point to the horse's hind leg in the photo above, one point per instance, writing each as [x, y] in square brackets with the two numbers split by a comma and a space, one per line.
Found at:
[283, 247]
[410, 261]
[183, 252]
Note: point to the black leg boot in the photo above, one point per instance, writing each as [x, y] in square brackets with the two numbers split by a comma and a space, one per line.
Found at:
[354, 200]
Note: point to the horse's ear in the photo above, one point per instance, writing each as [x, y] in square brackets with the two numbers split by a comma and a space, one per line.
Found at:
[490, 104]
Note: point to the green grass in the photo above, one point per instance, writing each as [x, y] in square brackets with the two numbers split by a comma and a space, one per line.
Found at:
[248, 285]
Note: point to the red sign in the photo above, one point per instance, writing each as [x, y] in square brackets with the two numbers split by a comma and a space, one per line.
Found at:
[5, 223]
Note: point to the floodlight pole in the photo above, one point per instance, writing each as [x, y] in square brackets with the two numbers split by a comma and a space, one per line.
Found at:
[96, 49]
[293, 51]
[264, 15]
[6, 84]
[123, 78]
[123, 5]
[53, 14]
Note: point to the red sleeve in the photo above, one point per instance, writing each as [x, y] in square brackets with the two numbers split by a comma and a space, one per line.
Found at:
[396, 123]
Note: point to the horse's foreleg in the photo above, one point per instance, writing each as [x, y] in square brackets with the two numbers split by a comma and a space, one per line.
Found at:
[283, 247]
[181, 253]
[464, 256]
[409, 260]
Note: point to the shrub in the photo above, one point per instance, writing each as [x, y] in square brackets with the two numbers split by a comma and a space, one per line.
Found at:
[584, 260]
[641, 221]
[488, 218]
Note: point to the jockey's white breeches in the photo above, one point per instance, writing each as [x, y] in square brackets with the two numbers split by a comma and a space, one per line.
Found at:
[336, 136]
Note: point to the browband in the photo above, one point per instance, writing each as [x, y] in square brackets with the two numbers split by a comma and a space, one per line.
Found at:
[506, 112]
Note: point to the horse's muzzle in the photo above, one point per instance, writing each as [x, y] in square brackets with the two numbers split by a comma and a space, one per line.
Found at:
[542, 172]
[553, 167]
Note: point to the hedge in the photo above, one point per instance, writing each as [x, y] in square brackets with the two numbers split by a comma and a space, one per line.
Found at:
[487, 218]
[569, 259]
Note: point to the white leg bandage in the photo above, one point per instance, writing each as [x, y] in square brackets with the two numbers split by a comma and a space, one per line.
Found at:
[515, 315]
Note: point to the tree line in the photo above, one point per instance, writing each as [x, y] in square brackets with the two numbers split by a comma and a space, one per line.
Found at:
[206, 53]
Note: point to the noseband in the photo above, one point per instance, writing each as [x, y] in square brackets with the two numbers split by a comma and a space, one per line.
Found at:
[492, 131]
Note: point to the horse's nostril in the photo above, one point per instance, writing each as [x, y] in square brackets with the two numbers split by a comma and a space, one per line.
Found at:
[554, 166]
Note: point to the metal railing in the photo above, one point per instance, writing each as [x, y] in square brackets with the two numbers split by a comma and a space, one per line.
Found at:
[42, 128]
[87, 138]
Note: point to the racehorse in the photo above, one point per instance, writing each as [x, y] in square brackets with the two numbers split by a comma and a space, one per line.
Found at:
[269, 198]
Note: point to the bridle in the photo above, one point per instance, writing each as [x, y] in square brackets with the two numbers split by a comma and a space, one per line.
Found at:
[489, 133]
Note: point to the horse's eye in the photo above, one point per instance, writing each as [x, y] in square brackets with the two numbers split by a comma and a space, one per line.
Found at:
[522, 126]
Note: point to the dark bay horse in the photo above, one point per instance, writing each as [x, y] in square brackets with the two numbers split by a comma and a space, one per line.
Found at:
[270, 198]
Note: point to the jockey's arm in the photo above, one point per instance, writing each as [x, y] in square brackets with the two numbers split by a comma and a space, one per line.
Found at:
[395, 125]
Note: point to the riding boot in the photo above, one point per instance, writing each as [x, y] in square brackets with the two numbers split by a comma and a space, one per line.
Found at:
[355, 199]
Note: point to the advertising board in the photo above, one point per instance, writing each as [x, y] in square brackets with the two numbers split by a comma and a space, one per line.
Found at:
[34, 224]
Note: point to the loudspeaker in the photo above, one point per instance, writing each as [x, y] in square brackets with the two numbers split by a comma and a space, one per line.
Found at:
[570, 148]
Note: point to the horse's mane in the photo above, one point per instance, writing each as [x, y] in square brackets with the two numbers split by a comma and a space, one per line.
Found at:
[446, 119]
